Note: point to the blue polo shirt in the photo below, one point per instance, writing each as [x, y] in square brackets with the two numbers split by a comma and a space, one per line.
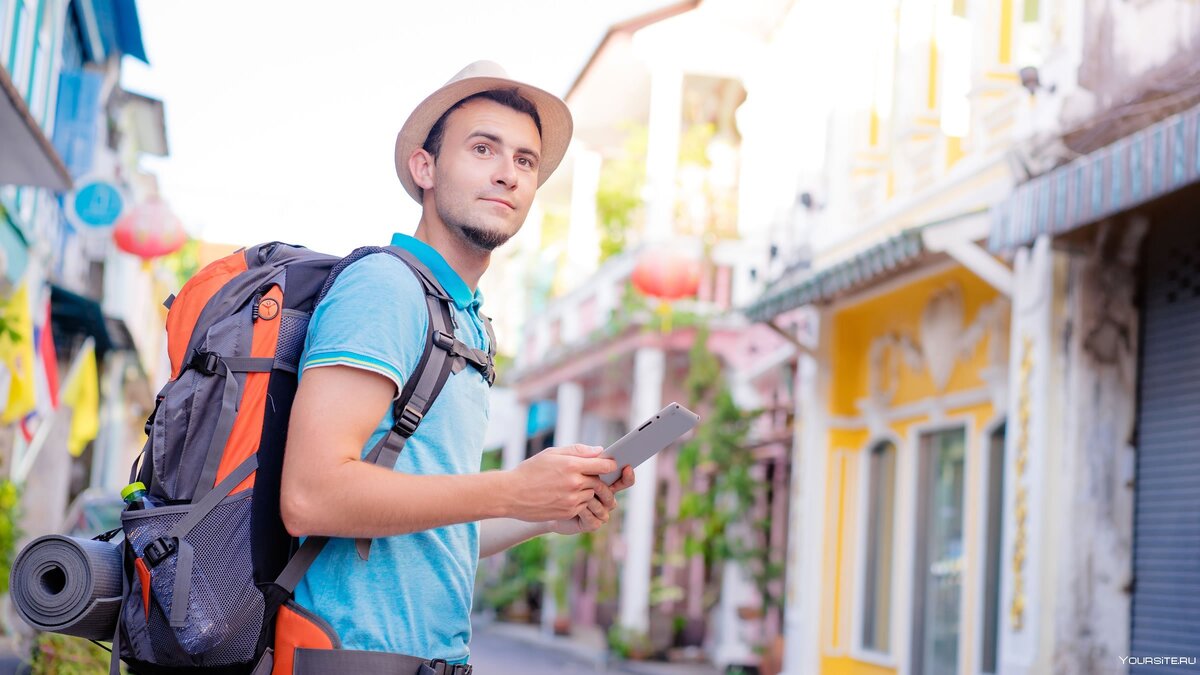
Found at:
[413, 596]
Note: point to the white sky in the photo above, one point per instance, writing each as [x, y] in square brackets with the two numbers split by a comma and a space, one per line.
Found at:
[281, 116]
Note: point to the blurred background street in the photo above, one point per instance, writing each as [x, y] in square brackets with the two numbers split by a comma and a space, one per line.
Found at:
[928, 270]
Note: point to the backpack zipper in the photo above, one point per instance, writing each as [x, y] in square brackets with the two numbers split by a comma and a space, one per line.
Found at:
[258, 296]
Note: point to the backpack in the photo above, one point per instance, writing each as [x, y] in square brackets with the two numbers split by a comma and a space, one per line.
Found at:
[209, 569]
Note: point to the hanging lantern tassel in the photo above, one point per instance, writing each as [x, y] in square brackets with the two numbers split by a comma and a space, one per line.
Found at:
[665, 314]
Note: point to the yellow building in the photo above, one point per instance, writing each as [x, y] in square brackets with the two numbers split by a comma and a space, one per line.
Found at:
[899, 492]
[902, 504]
[915, 427]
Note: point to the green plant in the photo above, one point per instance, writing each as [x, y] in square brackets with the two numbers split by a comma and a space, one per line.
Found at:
[628, 643]
[558, 575]
[520, 576]
[717, 472]
[492, 460]
[619, 195]
[55, 654]
[10, 500]
[184, 263]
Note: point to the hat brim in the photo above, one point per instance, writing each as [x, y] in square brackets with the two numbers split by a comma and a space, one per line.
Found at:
[553, 113]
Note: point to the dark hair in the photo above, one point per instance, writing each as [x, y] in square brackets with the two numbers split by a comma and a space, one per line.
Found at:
[505, 97]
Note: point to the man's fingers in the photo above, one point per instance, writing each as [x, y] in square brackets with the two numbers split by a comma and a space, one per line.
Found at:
[595, 466]
[598, 509]
[588, 521]
[605, 495]
[625, 481]
[578, 450]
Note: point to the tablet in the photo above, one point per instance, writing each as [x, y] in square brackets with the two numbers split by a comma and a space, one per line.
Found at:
[656, 433]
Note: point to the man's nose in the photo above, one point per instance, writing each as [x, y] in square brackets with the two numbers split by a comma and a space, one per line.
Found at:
[506, 175]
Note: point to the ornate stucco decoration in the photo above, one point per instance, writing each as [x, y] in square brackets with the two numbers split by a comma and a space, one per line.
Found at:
[942, 342]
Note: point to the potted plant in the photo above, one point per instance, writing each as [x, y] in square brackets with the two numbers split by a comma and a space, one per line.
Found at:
[563, 553]
[630, 644]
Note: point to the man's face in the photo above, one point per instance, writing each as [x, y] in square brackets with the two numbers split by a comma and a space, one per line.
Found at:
[486, 173]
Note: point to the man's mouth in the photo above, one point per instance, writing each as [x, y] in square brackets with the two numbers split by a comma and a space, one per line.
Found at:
[500, 201]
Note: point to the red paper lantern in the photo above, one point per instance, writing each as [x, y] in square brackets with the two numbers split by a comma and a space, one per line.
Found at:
[667, 275]
[149, 230]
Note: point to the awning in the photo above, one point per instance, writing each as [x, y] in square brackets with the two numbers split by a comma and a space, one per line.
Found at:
[111, 26]
[73, 315]
[28, 157]
[1155, 161]
[895, 254]
[543, 415]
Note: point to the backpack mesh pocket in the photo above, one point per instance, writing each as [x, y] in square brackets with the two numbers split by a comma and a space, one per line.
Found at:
[224, 607]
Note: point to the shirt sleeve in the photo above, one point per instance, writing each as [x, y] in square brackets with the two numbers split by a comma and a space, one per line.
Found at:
[374, 318]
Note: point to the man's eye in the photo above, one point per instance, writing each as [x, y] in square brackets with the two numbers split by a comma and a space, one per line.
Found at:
[482, 149]
[525, 162]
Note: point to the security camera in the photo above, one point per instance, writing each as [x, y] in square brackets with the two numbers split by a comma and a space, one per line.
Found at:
[1030, 79]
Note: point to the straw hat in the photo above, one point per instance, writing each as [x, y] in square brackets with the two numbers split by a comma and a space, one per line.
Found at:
[479, 77]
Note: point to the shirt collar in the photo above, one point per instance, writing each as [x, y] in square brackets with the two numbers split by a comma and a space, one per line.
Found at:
[451, 282]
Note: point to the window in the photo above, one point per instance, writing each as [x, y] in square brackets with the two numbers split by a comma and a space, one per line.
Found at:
[877, 572]
[18, 55]
[954, 42]
[994, 531]
[5, 22]
[35, 96]
[1031, 14]
[42, 66]
[938, 565]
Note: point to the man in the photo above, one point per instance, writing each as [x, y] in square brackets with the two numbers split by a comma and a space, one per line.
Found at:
[472, 154]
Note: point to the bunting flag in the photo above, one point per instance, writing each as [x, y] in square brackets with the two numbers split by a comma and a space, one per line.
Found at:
[81, 391]
[45, 375]
[17, 354]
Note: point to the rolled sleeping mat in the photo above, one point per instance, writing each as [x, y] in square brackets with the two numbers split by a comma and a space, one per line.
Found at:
[68, 585]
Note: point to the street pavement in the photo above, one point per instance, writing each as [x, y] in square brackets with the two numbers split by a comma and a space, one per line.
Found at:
[509, 649]
[493, 653]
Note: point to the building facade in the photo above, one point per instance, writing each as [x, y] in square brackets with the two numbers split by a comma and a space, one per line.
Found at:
[904, 410]
[1102, 237]
[72, 139]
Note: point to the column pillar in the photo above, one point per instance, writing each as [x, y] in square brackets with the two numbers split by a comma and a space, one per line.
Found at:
[583, 236]
[648, 372]
[566, 432]
[802, 624]
[662, 151]
[518, 435]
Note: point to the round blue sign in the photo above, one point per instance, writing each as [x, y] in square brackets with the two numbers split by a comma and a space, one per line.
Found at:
[98, 204]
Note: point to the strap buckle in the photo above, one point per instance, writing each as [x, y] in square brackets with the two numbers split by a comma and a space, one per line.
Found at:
[440, 667]
[150, 420]
[159, 550]
[444, 340]
[205, 363]
[408, 421]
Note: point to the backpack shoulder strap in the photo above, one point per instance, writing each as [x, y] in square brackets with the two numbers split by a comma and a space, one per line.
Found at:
[434, 368]
[422, 388]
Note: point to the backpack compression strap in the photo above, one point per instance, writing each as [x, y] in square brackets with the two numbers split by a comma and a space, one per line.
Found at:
[443, 355]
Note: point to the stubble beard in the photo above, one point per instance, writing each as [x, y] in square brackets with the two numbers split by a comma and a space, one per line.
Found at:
[481, 238]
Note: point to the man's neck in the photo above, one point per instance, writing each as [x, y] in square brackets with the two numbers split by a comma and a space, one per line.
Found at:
[468, 261]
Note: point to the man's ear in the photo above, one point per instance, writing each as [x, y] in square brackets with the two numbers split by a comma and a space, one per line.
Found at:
[420, 165]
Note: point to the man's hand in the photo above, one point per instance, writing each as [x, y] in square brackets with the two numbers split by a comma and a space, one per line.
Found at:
[559, 483]
[598, 511]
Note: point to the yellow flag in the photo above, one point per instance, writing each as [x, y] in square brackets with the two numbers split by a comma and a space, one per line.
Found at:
[82, 393]
[16, 351]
